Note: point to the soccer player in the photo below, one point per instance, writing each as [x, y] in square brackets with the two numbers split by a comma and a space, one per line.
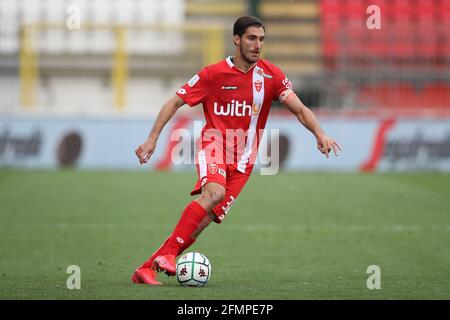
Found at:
[236, 93]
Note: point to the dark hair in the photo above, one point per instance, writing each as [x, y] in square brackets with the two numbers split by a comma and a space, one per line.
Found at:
[242, 23]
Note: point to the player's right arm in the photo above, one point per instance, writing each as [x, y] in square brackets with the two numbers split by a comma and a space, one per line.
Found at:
[146, 149]
[192, 93]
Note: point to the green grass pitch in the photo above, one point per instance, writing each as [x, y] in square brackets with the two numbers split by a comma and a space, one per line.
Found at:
[289, 236]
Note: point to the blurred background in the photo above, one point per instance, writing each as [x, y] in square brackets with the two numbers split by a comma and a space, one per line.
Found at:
[81, 81]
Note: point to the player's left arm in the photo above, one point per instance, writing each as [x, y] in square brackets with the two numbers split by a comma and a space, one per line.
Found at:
[309, 121]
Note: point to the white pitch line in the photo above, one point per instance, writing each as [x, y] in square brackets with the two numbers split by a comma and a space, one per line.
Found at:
[229, 227]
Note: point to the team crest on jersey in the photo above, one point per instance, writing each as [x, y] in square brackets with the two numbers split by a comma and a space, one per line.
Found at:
[213, 168]
[258, 85]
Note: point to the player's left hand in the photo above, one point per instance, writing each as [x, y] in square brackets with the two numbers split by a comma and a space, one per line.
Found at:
[325, 144]
[145, 151]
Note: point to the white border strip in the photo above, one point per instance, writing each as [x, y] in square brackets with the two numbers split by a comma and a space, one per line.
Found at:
[258, 100]
[202, 163]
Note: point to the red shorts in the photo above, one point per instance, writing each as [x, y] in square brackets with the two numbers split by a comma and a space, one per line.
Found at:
[224, 174]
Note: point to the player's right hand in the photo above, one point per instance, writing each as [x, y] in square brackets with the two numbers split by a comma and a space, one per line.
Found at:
[145, 151]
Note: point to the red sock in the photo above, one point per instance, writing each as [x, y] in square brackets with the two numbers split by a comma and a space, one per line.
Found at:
[186, 245]
[181, 236]
[149, 262]
[188, 223]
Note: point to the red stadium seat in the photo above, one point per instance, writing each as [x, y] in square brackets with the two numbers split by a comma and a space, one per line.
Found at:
[402, 32]
[331, 6]
[415, 35]
[445, 50]
[403, 50]
[390, 96]
[436, 95]
[400, 10]
[401, 96]
[425, 10]
[412, 33]
[383, 4]
[355, 10]
[329, 49]
[331, 24]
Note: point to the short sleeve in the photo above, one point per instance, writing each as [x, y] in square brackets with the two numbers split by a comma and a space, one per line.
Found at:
[283, 86]
[195, 90]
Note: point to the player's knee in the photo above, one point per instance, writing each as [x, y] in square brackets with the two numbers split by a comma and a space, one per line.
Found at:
[213, 196]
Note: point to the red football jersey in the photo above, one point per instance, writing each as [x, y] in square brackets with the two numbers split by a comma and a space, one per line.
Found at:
[236, 102]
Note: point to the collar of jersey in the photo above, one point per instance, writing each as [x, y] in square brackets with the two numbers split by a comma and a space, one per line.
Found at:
[231, 64]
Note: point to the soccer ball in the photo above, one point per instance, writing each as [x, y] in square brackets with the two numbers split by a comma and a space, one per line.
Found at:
[193, 269]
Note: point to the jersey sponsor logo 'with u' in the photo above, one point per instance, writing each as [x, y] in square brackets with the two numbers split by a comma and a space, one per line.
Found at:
[235, 108]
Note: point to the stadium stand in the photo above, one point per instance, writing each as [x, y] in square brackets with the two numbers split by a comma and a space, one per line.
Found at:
[293, 36]
[404, 64]
[207, 9]
[293, 43]
[124, 46]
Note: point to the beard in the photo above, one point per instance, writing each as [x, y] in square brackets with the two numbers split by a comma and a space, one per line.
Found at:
[248, 57]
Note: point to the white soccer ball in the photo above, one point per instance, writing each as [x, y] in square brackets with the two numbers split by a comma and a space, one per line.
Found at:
[193, 269]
